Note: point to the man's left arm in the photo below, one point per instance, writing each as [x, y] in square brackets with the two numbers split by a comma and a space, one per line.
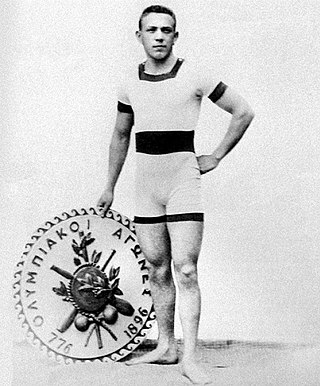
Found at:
[242, 115]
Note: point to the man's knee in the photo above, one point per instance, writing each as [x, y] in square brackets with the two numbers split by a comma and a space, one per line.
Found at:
[155, 258]
[159, 267]
[160, 274]
[186, 273]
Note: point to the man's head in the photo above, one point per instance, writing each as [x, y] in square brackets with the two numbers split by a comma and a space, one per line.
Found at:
[157, 32]
[157, 9]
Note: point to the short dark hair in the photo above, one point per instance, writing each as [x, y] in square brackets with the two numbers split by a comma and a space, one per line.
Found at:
[157, 9]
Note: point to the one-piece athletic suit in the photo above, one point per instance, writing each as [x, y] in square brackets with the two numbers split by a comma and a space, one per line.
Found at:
[166, 109]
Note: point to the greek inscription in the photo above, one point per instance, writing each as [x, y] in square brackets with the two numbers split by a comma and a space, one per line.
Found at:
[38, 321]
[142, 263]
[136, 251]
[118, 233]
[32, 306]
[61, 234]
[129, 238]
[32, 277]
[74, 226]
[35, 262]
[51, 243]
[29, 293]
[146, 292]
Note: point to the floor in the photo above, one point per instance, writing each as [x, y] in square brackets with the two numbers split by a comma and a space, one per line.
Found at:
[228, 363]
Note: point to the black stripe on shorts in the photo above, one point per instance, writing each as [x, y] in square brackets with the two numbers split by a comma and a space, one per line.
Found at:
[150, 220]
[164, 142]
[185, 217]
[170, 218]
[218, 92]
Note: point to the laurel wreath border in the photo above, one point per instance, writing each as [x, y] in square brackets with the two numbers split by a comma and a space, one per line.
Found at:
[30, 335]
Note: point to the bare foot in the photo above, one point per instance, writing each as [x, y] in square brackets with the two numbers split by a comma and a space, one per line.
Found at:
[194, 373]
[160, 356]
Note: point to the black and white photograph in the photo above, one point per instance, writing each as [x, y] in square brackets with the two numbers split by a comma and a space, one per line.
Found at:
[160, 193]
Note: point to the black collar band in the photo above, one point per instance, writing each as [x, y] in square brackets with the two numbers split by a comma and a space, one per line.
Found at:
[156, 78]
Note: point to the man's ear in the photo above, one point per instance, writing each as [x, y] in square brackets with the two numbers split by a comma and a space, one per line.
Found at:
[138, 36]
[176, 35]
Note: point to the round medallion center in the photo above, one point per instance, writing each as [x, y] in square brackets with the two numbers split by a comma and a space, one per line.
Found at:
[89, 289]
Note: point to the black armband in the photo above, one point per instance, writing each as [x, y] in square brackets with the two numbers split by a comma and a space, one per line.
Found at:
[123, 108]
[218, 92]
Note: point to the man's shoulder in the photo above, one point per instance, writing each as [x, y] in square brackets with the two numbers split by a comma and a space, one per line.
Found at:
[201, 66]
[127, 81]
[129, 71]
[203, 74]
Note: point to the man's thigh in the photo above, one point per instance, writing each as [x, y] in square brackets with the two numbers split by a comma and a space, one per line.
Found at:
[186, 240]
[154, 241]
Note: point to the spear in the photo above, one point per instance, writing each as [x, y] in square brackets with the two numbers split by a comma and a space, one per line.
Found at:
[62, 272]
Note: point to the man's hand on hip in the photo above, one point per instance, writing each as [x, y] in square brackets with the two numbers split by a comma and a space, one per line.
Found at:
[207, 163]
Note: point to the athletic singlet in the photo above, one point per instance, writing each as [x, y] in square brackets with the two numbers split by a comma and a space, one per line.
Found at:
[166, 109]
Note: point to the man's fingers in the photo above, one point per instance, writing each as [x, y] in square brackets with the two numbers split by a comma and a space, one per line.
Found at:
[102, 209]
[103, 212]
[104, 204]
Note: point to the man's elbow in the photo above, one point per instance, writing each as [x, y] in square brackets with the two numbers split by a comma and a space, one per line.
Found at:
[245, 113]
[250, 113]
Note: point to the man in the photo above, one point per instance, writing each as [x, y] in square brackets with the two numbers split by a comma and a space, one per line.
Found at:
[163, 100]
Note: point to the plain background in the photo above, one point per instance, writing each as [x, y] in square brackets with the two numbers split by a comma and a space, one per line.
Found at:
[259, 267]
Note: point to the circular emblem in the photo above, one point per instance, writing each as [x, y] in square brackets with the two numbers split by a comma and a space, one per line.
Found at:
[82, 287]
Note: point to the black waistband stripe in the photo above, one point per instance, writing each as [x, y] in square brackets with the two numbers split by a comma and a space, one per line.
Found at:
[218, 92]
[164, 142]
[170, 218]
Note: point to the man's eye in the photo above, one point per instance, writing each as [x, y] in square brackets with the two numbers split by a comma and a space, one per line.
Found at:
[167, 30]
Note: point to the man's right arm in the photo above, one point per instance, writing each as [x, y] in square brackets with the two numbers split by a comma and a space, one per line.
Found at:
[117, 154]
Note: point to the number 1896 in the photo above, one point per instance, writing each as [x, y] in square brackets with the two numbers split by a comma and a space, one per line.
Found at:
[132, 329]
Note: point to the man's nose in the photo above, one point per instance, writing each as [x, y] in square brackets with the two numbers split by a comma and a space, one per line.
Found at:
[159, 35]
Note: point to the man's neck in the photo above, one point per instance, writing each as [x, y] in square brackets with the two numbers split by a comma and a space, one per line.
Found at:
[157, 67]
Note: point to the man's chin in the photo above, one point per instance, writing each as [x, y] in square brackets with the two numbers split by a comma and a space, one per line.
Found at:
[160, 57]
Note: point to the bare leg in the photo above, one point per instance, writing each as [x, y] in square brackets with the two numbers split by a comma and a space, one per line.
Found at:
[155, 244]
[186, 238]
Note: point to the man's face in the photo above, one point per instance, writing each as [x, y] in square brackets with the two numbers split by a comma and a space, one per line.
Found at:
[157, 35]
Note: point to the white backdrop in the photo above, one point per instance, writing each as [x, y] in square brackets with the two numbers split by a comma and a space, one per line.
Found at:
[259, 267]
